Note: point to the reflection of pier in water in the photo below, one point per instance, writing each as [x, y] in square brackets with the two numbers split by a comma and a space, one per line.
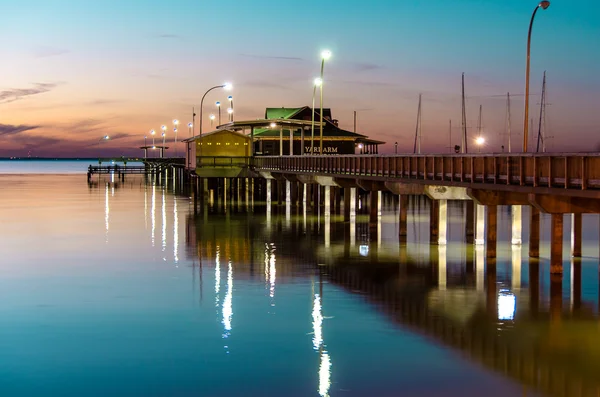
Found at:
[506, 329]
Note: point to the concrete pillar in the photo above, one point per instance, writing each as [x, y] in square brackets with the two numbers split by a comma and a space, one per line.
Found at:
[443, 222]
[402, 217]
[516, 267]
[556, 244]
[327, 227]
[575, 284]
[492, 231]
[304, 195]
[353, 206]
[352, 231]
[379, 202]
[517, 224]
[373, 207]
[469, 221]
[534, 233]
[576, 235]
[346, 204]
[434, 221]
[480, 225]
[247, 191]
[327, 200]
[288, 192]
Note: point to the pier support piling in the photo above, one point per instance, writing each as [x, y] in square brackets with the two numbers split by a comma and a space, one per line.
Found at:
[556, 245]
[442, 222]
[402, 217]
[492, 231]
[480, 225]
[576, 222]
[534, 233]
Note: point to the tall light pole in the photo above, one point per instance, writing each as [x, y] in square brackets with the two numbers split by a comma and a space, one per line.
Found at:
[212, 119]
[544, 4]
[152, 132]
[230, 112]
[190, 127]
[227, 86]
[325, 55]
[230, 98]
[104, 138]
[219, 111]
[480, 141]
[316, 83]
[163, 146]
[175, 124]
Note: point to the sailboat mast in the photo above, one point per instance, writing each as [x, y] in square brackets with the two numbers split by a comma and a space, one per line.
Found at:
[479, 121]
[542, 103]
[464, 148]
[417, 145]
[508, 111]
[450, 137]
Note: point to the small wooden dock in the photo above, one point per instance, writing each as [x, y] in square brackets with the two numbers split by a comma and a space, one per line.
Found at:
[149, 167]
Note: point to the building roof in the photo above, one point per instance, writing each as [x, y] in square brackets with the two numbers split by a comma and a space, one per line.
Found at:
[217, 132]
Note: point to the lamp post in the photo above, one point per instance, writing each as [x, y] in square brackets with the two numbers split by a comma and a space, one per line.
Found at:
[227, 86]
[480, 141]
[190, 126]
[175, 124]
[219, 111]
[162, 152]
[543, 5]
[152, 132]
[396, 147]
[360, 146]
[230, 111]
[212, 119]
[325, 55]
[230, 98]
[316, 83]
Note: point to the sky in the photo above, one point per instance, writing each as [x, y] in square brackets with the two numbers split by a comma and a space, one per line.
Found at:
[74, 71]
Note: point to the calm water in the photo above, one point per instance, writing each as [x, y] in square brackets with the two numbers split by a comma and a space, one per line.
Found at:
[125, 292]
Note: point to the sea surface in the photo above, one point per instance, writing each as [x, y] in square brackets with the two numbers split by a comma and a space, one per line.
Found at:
[125, 290]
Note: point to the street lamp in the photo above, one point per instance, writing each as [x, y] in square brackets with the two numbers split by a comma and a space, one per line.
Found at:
[104, 138]
[175, 124]
[396, 147]
[226, 86]
[190, 126]
[543, 5]
[163, 148]
[325, 55]
[219, 108]
[360, 146]
[316, 83]
[230, 98]
[230, 111]
[480, 141]
[212, 118]
[152, 132]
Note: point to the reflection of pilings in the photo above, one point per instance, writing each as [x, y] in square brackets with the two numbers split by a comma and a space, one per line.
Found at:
[469, 221]
[516, 267]
[534, 287]
[555, 296]
[434, 215]
[492, 230]
[575, 284]
[556, 244]
[402, 217]
[491, 290]
[374, 200]
[347, 196]
[576, 235]
[534, 232]
[517, 224]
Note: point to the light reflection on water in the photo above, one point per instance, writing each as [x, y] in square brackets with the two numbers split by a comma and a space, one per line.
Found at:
[82, 318]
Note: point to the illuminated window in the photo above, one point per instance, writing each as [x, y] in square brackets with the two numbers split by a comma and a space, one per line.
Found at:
[237, 144]
[227, 144]
[246, 144]
[219, 143]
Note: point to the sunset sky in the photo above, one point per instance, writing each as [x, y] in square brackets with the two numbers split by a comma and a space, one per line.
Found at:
[74, 71]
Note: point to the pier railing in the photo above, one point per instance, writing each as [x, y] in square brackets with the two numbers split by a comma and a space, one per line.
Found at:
[568, 171]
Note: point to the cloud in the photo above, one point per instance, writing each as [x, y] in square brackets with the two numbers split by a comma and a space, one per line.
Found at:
[8, 129]
[83, 126]
[43, 52]
[282, 58]
[364, 67]
[118, 135]
[15, 94]
[103, 102]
